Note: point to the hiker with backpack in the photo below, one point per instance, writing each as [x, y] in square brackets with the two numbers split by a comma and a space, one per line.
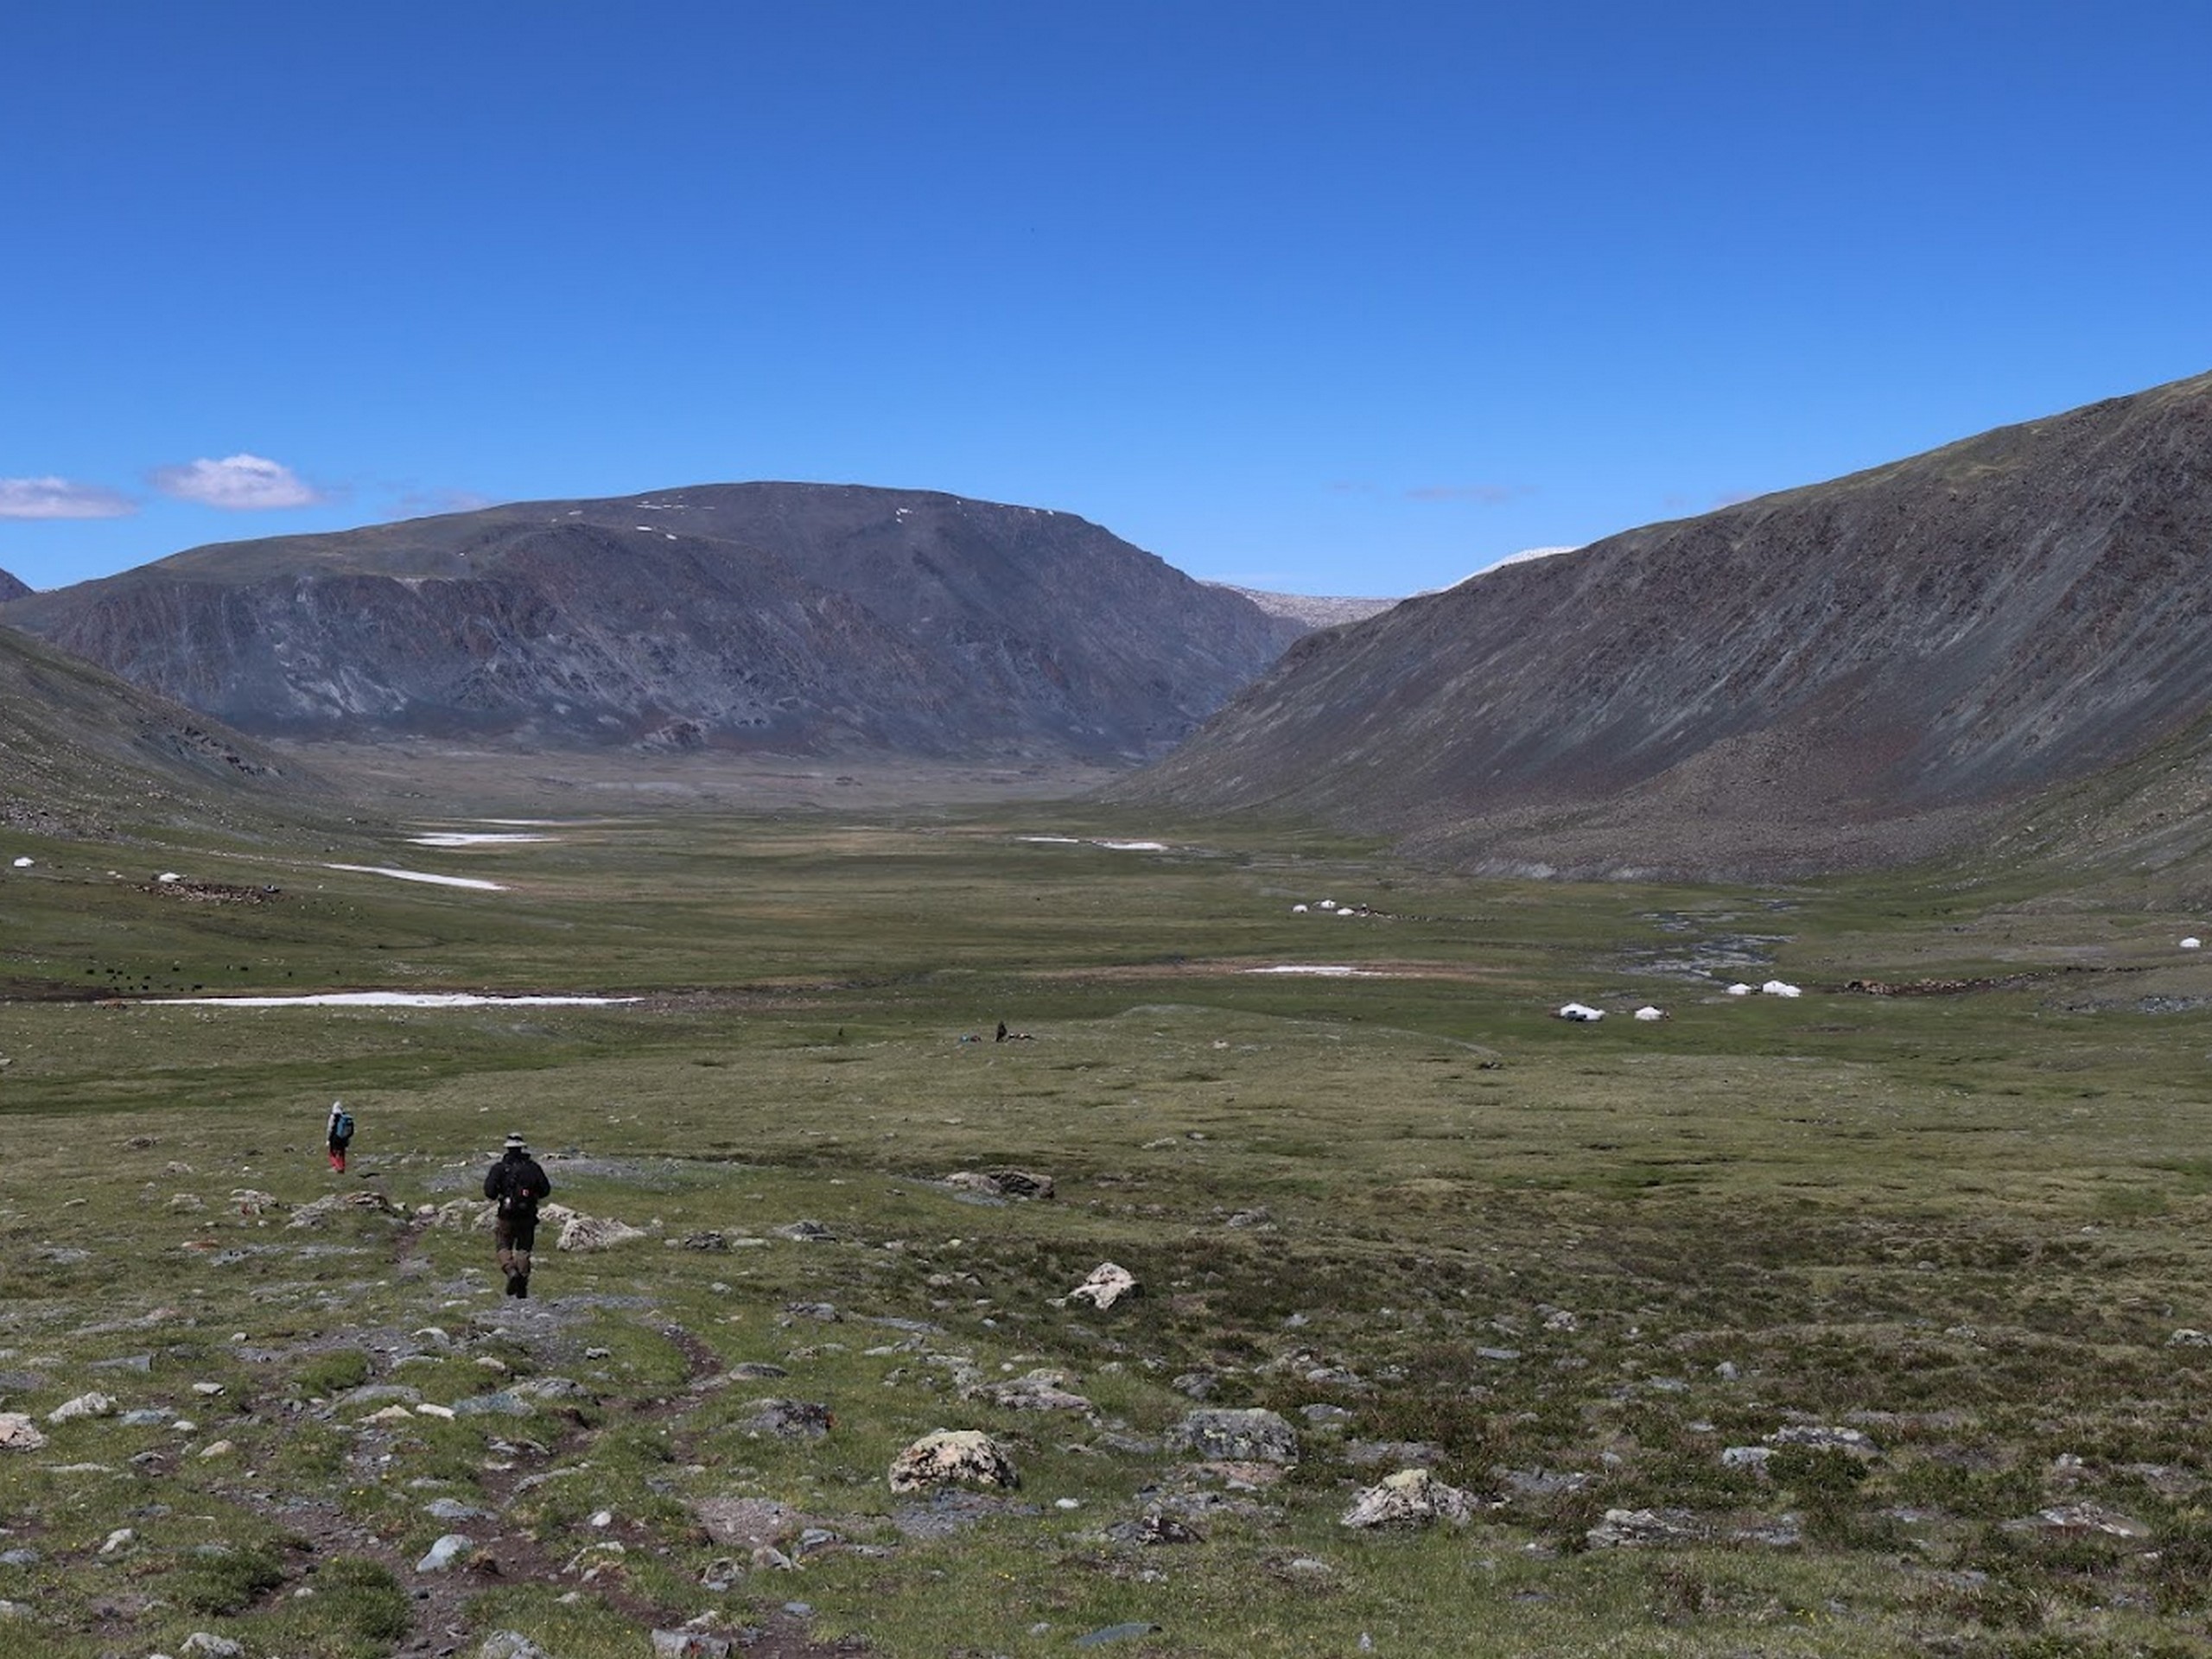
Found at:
[340, 1134]
[516, 1183]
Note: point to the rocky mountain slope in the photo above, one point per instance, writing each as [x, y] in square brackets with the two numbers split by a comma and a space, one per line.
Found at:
[12, 587]
[82, 753]
[1861, 672]
[1314, 611]
[784, 617]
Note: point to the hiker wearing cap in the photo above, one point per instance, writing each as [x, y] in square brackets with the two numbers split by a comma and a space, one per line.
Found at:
[339, 1134]
[517, 1183]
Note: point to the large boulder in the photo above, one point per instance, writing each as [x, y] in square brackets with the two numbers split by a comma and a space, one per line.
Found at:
[948, 1456]
[596, 1233]
[1221, 1436]
[1107, 1284]
[1412, 1497]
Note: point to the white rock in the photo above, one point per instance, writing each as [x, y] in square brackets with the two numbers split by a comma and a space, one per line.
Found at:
[1649, 1012]
[1107, 1284]
[444, 1552]
[1412, 1497]
[1740, 989]
[965, 1455]
[1779, 988]
[2192, 943]
[94, 1404]
[18, 1432]
[597, 1233]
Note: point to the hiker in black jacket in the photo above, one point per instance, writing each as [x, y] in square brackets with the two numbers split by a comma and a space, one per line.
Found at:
[517, 1183]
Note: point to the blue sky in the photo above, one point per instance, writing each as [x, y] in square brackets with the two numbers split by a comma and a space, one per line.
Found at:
[1328, 298]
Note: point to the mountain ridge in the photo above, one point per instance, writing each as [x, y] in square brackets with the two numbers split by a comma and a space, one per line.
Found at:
[1859, 671]
[778, 617]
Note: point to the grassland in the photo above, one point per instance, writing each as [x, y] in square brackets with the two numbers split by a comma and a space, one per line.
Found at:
[1567, 1267]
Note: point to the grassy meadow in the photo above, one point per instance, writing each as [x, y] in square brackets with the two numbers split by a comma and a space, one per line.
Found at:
[1838, 1325]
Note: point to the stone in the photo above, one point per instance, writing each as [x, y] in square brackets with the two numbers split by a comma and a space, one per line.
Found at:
[1639, 1528]
[378, 1394]
[510, 1644]
[444, 1552]
[205, 1644]
[1746, 1457]
[94, 1404]
[503, 1403]
[788, 1420]
[2080, 1518]
[747, 1523]
[596, 1233]
[1044, 1389]
[1412, 1497]
[1407, 1454]
[962, 1456]
[366, 1200]
[553, 1388]
[1107, 1284]
[804, 1232]
[1222, 1436]
[1001, 1183]
[19, 1433]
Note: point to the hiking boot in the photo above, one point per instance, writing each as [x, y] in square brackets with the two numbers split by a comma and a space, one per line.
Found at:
[514, 1284]
[522, 1284]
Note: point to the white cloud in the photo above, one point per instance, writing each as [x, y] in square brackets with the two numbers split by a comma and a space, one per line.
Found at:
[59, 498]
[237, 484]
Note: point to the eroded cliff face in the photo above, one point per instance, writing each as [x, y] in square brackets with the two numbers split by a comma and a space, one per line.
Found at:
[1855, 672]
[778, 616]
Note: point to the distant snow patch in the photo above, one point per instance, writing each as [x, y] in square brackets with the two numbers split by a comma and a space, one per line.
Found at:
[392, 999]
[1111, 846]
[419, 876]
[1321, 970]
[470, 838]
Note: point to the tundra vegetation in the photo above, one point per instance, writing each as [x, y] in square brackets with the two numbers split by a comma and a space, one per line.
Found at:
[1850, 1324]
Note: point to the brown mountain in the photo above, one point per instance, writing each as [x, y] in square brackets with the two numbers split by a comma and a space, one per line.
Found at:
[786, 617]
[1861, 671]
